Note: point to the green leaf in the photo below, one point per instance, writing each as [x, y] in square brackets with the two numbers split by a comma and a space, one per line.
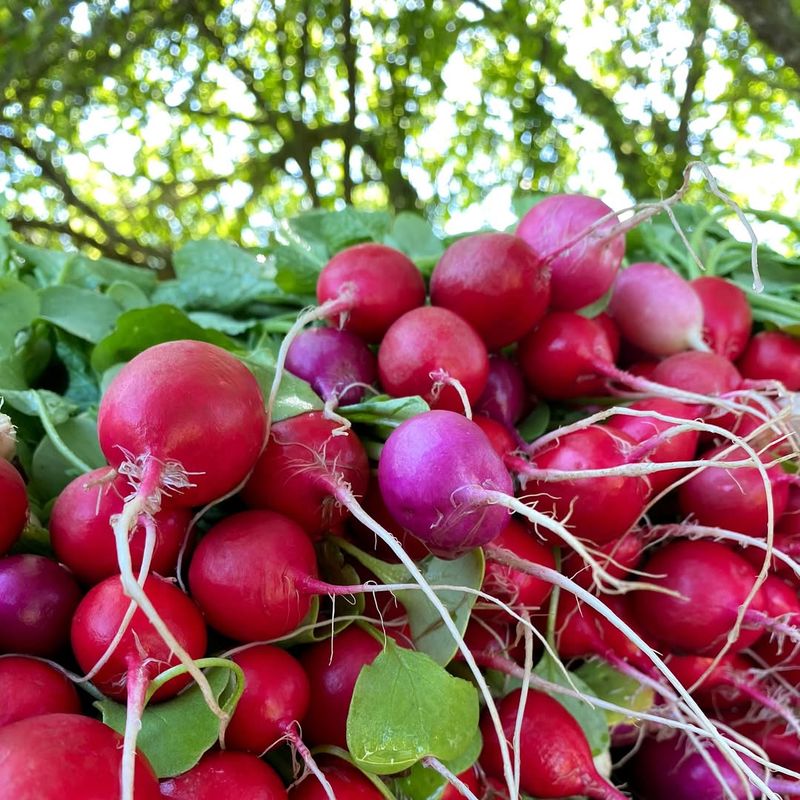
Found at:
[427, 628]
[592, 720]
[406, 706]
[140, 328]
[35, 539]
[535, 424]
[176, 733]
[127, 295]
[383, 412]
[414, 235]
[84, 313]
[19, 307]
[25, 401]
[222, 322]
[610, 684]
[82, 388]
[339, 229]
[297, 266]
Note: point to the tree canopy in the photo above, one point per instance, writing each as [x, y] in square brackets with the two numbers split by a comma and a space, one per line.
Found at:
[131, 127]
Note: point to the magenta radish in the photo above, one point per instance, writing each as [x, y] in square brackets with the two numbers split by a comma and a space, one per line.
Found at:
[428, 348]
[247, 572]
[657, 310]
[583, 267]
[618, 557]
[495, 282]
[727, 317]
[14, 502]
[333, 669]
[300, 468]
[673, 769]
[274, 702]
[552, 766]
[713, 583]
[221, 774]
[59, 756]
[772, 356]
[37, 599]
[781, 743]
[385, 284]
[30, 688]
[347, 783]
[733, 498]
[505, 397]
[333, 362]
[81, 535]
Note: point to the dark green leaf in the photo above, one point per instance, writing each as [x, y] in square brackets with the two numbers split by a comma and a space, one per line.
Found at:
[406, 706]
[82, 388]
[19, 307]
[81, 312]
[535, 424]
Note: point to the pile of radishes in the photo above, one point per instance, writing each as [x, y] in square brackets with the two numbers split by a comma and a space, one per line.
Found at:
[657, 530]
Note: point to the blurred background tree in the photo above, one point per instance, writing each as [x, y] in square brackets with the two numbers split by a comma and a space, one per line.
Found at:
[129, 127]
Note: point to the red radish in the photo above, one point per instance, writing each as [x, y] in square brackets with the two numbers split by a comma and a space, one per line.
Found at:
[14, 502]
[583, 502]
[734, 498]
[331, 361]
[772, 355]
[727, 317]
[81, 535]
[780, 600]
[432, 471]
[246, 573]
[499, 436]
[657, 310]
[504, 398]
[37, 598]
[222, 774]
[470, 779]
[213, 437]
[611, 331]
[30, 688]
[301, 467]
[425, 348]
[713, 582]
[552, 766]
[643, 369]
[385, 285]
[333, 669]
[781, 743]
[8, 438]
[347, 783]
[140, 650]
[495, 282]
[618, 557]
[657, 445]
[275, 698]
[702, 373]
[60, 756]
[583, 266]
[515, 588]
[673, 769]
[497, 636]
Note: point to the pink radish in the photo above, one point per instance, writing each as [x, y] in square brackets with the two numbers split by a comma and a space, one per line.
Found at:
[246, 573]
[727, 317]
[221, 774]
[495, 282]
[772, 355]
[702, 373]
[81, 535]
[303, 463]
[657, 310]
[14, 502]
[505, 396]
[30, 688]
[425, 350]
[583, 266]
[37, 599]
[385, 284]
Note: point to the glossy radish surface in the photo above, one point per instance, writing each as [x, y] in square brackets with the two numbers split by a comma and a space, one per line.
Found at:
[346, 781]
[772, 355]
[14, 504]
[30, 688]
[505, 397]
[727, 317]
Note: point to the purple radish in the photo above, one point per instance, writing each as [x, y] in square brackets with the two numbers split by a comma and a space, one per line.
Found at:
[504, 398]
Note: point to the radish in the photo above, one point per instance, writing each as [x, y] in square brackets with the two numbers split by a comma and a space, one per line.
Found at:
[583, 266]
[701, 373]
[346, 781]
[37, 599]
[59, 756]
[675, 769]
[782, 745]
[332, 668]
[221, 774]
[470, 779]
[657, 310]
[772, 356]
[500, 437]
[30, 688]
[336, 363]
[494, 281]
[612, 333]
[727, 317]
[505, 396]
[733, 498]
[426, 351]
[81, 535]
[247, 572]
[384, 284]
[8, 437]
[617, 557]
[14, 502]
[558, 764]
[301, 467]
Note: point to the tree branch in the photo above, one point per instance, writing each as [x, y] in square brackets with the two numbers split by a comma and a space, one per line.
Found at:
[776, 24]
[349, 57]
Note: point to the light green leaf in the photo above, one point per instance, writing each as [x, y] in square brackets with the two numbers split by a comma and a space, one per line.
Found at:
[222, 322]
[25, 401]
[414, 235]
[84, 313]
[127, 295]
[406, 706]
[19, 307]
[610, 684]
[383, 412]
